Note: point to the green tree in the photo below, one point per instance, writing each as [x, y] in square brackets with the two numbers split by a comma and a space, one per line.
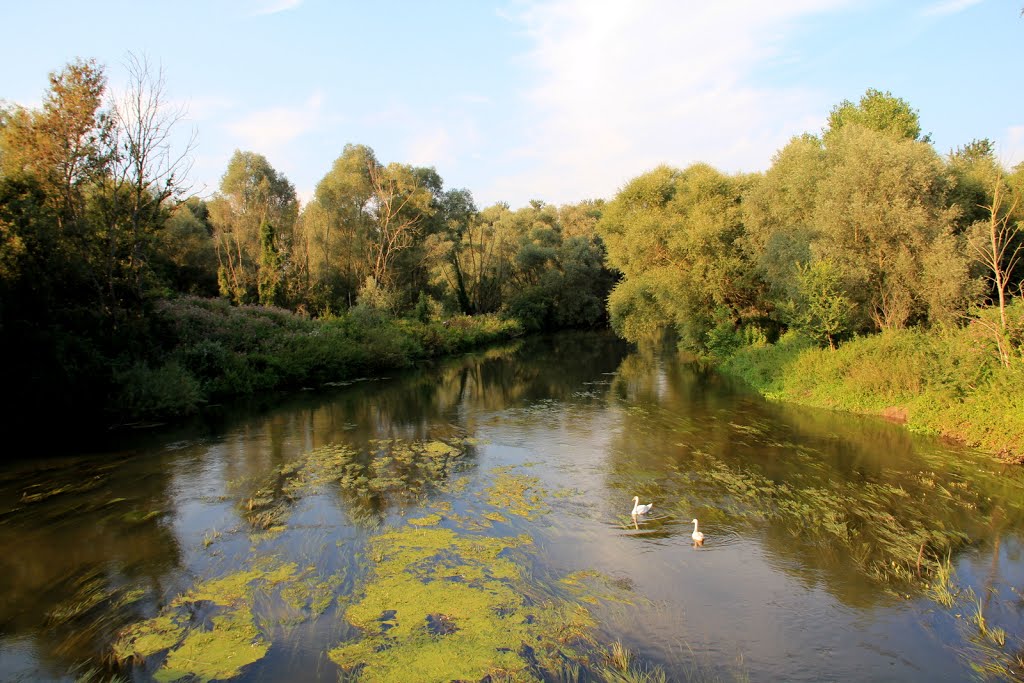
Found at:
[251, 193]
[779, 214]
[270, 273]
[821, 309]
[335, 230]
[881, 208]
[877, 111]
[185, 256]
[675, 236]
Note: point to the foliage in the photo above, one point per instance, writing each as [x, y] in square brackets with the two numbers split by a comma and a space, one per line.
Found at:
[878, 111]
[822, 311]
[675, 237]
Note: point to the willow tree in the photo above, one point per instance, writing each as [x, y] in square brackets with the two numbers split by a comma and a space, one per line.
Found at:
[885, 221]
[675, 237]
[779, 215]
[335, 230]
[252, 193]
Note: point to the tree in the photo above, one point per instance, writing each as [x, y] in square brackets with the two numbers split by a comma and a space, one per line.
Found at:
[975, 169]
[779, 214]
[881, 207]
[675, 236]
[399, 205]
[335, 230]
[269, 273]
[998, 245]
[821, 309]
[877, 111]
[251, 193]
[146, 170]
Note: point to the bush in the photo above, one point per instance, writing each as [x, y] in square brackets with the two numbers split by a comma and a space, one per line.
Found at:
[146, 392]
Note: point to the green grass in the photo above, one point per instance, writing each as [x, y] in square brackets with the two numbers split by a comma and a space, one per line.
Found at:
[948, 382]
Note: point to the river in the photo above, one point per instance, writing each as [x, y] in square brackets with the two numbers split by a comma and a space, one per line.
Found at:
[472, 518]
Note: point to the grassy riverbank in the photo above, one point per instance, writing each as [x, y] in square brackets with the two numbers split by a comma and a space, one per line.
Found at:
[948, 382]
[206, 351]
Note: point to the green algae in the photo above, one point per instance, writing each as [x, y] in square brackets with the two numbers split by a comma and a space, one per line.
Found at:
[428, 520]
[148, 638]
[232, 643]
[312, 595]
[445, 606]
[519, 495]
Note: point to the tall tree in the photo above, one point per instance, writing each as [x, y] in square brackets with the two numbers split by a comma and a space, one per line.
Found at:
[146, 168]
[251, 193]
[881, 207]
[998, 245]
[675, 236]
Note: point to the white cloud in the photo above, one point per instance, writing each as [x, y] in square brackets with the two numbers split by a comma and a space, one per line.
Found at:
[275, 6]
[622, 87]
[948, 7]
[430, 148]
[204, 107]
[273, 128]
[470, 98]
[1011, 152]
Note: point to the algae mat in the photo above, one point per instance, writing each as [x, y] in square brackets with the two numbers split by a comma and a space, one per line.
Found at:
[440, 595]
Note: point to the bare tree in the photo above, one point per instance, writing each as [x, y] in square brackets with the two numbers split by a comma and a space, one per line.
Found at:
[150, 164]
[998, 245]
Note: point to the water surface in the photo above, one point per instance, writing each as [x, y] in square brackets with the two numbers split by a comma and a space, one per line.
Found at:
[830, 539]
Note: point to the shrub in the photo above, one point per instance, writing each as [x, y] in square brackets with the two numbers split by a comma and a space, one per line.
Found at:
[146, 392]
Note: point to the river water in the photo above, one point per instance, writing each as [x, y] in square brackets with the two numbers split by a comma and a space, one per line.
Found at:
[472, 518]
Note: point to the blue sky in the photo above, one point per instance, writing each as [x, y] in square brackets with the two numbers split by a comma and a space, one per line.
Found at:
[516, 100]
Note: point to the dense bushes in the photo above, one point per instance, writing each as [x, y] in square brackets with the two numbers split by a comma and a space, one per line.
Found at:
[945, 381]
[211, 351]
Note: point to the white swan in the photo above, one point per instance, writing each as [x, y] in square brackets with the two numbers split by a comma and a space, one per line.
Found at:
[697, 536]
[639, 509]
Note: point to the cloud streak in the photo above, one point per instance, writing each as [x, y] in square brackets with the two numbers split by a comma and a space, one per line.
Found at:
[621, 87]
[271, 129]
[947, 7]
[275, 6]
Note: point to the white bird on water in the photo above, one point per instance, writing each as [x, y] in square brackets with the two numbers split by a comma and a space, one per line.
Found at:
[697, 536]
[639, 509]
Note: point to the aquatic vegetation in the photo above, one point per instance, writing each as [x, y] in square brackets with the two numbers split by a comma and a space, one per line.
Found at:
[519, 495]
[620, 667]
[444, 606]
[889, 536]
[942, 588]
[194, 650]
[149, 637]
[232, 643]
[428, 520]
[312, 594]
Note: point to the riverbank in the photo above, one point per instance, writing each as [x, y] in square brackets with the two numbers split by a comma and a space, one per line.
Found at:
[208, 351]
[947, 382]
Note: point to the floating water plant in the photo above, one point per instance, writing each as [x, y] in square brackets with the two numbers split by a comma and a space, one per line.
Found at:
[444, 606]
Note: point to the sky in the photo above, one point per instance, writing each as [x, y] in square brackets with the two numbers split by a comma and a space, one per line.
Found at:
[515, 100]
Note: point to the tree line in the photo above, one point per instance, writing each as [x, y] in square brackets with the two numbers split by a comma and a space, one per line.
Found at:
[862, 228]
[98, 226]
